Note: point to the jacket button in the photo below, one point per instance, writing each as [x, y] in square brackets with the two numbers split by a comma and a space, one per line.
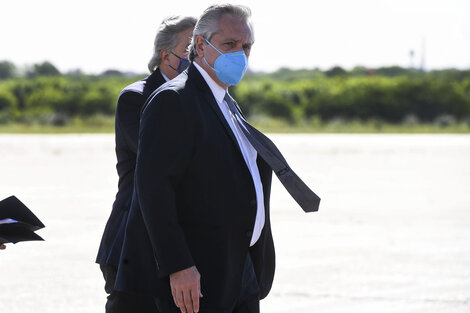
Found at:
[249, 234]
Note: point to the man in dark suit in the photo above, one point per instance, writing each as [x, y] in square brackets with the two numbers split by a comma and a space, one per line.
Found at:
[199, 235]
[170, 53]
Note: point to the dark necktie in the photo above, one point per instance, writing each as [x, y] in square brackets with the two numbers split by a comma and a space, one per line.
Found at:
[305, 197]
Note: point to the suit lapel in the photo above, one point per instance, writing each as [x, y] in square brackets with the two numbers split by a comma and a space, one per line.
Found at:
[152, 82]
[209, 97]
[215, 107]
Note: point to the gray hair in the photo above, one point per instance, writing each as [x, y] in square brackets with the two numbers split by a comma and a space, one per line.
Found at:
[208, 23]
[167, 37]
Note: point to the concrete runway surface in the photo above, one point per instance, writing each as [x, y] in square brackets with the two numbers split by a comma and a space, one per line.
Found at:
[392, 234]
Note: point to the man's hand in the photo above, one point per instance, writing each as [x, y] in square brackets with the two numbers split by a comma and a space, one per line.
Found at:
[2, 246]
[186, 289]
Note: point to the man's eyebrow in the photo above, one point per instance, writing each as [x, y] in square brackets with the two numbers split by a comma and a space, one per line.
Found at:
[250, 43]
[231, 39]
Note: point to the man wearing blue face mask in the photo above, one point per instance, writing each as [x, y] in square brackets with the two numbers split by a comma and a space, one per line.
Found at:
[199, 226]
[168, 60]
[199, 234]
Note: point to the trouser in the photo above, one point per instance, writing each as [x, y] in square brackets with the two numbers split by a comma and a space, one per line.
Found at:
[249, 295]
[124, 302]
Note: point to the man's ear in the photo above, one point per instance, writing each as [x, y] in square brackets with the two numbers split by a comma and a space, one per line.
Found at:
[200, 45]
[164, 55]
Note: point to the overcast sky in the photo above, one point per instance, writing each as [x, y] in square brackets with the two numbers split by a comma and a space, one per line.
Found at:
[95, 35]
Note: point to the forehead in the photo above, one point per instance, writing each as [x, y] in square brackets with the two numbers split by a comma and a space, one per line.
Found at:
[231, 27]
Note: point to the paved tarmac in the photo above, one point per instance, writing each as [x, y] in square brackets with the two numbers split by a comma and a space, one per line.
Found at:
[392, 234]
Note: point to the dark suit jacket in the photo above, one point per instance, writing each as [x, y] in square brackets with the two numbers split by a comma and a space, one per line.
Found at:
[128, 109]
[194, 202]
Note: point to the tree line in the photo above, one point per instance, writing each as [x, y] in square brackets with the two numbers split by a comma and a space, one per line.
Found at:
[390, 94]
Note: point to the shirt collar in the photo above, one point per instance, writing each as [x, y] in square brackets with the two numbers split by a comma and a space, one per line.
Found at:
[164, 76]
[218, 91]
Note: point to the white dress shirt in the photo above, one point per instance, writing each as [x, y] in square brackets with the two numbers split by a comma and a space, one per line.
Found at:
[249, 153]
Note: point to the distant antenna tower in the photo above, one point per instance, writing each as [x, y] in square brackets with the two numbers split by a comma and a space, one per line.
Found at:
[423, 53]
[412, 56]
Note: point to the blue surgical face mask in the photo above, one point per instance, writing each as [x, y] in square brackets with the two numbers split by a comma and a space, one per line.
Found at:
[229, 67]
[182, 65]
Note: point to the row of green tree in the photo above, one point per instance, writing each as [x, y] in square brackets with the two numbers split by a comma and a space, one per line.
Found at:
[391, 94]
[56, 100]
[390, 99]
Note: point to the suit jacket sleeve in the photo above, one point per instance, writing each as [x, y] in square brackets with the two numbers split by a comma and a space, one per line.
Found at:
[128, 115]
[163, 155]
